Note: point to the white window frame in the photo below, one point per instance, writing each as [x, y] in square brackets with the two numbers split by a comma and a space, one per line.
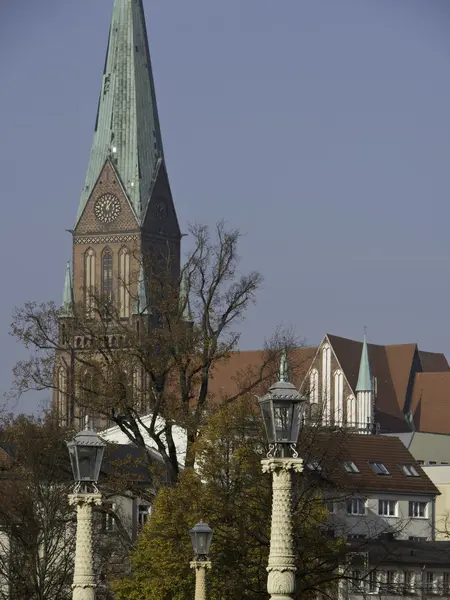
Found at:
[143, 514]
[413, 505]
[409, 582]
[373, 582]
[383, 503]
[350, 466]
[358, 503]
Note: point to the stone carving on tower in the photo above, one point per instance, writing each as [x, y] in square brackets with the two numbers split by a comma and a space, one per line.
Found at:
[126, 211]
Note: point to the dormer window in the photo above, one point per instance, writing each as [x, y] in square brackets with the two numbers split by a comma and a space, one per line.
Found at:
[350, 467]
[314, 465]
[409, 471]
[379, 468]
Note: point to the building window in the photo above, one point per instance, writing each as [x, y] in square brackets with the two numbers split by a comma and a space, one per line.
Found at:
[351, 411]
[408, 582]
[326, 383]
[446, 582]
[416, 538]
[89, 281]
[143, 514]
[379, 468]
[350, 467]
[314, 386]
[356, 506]
[391, 581]
[124, 283]
[356, 536]
[409, 471]
[109, 523]
[387, 508]
[338, 398]
[107, 275]
[62, 393]
[331, 507]
[430, 581]
[373, 582]
[418, 510]
[355, 582]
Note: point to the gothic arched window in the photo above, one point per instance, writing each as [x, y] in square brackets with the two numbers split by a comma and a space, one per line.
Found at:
[338, 398]
[89, 281]
[124, 283]
[107, 276]
[326, 383]
[62, 394]
[351, 411]
[314, 386]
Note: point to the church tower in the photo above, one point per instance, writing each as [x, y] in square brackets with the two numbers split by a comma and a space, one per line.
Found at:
[126, 211]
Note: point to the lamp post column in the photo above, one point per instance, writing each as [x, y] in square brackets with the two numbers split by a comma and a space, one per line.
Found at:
[84, 582]
[281, 568]
[200, 567]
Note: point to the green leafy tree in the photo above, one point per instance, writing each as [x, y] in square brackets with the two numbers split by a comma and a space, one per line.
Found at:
[228, 491]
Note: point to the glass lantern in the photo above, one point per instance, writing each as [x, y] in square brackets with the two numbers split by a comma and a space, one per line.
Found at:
[86, 455]
[282, 411]
[201, 537]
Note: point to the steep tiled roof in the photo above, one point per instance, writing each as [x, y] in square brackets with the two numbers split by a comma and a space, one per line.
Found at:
[330, 450]
[430, 406]
[241, 370]
[433, 362]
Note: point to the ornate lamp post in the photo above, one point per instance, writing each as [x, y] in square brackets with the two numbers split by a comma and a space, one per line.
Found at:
[201, 536]
[282, 411]
[86, 455]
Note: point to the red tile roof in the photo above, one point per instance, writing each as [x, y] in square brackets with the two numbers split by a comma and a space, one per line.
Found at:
[430, 406]
[332, 449]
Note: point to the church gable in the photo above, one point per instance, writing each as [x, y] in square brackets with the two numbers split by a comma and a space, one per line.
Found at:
[327, 386]
[107, 209]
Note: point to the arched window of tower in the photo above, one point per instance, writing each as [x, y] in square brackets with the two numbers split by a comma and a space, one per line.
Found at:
[124, 283]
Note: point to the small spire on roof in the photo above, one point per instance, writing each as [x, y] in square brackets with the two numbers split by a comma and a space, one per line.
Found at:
[67, 303]
[364, 377]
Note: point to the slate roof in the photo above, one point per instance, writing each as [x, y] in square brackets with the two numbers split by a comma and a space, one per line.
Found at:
[127, 117]
[430, 406]
[330, 450]
[407, 552]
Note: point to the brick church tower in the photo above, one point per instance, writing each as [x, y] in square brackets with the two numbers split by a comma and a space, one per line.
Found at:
[126, 210]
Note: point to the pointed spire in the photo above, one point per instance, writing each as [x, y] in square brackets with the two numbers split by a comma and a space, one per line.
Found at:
[283, 373]
[141, 303]
[67, 303]
[127, 129]
[364, 378]
[185, 306]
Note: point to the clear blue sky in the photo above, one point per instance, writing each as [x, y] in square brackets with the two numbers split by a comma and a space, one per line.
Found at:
[320, 128]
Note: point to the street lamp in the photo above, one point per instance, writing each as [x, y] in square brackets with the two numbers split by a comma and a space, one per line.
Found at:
[282, 409]
[201, 536]
[86, 455]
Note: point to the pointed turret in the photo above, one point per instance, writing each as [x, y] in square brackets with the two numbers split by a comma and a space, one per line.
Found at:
[364, 378]
[141, 302]
[127, 128]
[364, 392]
[67, 303]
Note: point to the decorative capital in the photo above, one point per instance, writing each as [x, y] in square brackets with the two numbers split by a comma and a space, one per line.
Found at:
[273, 465]
[200, 564]
[85, 499]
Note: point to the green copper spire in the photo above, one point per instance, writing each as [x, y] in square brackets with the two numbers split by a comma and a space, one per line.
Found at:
[127, 128]
[141, 303]
[364, 378]
[67, 303]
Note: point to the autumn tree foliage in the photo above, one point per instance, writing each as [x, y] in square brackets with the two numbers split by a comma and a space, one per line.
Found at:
[229, 491]
[162, 360]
